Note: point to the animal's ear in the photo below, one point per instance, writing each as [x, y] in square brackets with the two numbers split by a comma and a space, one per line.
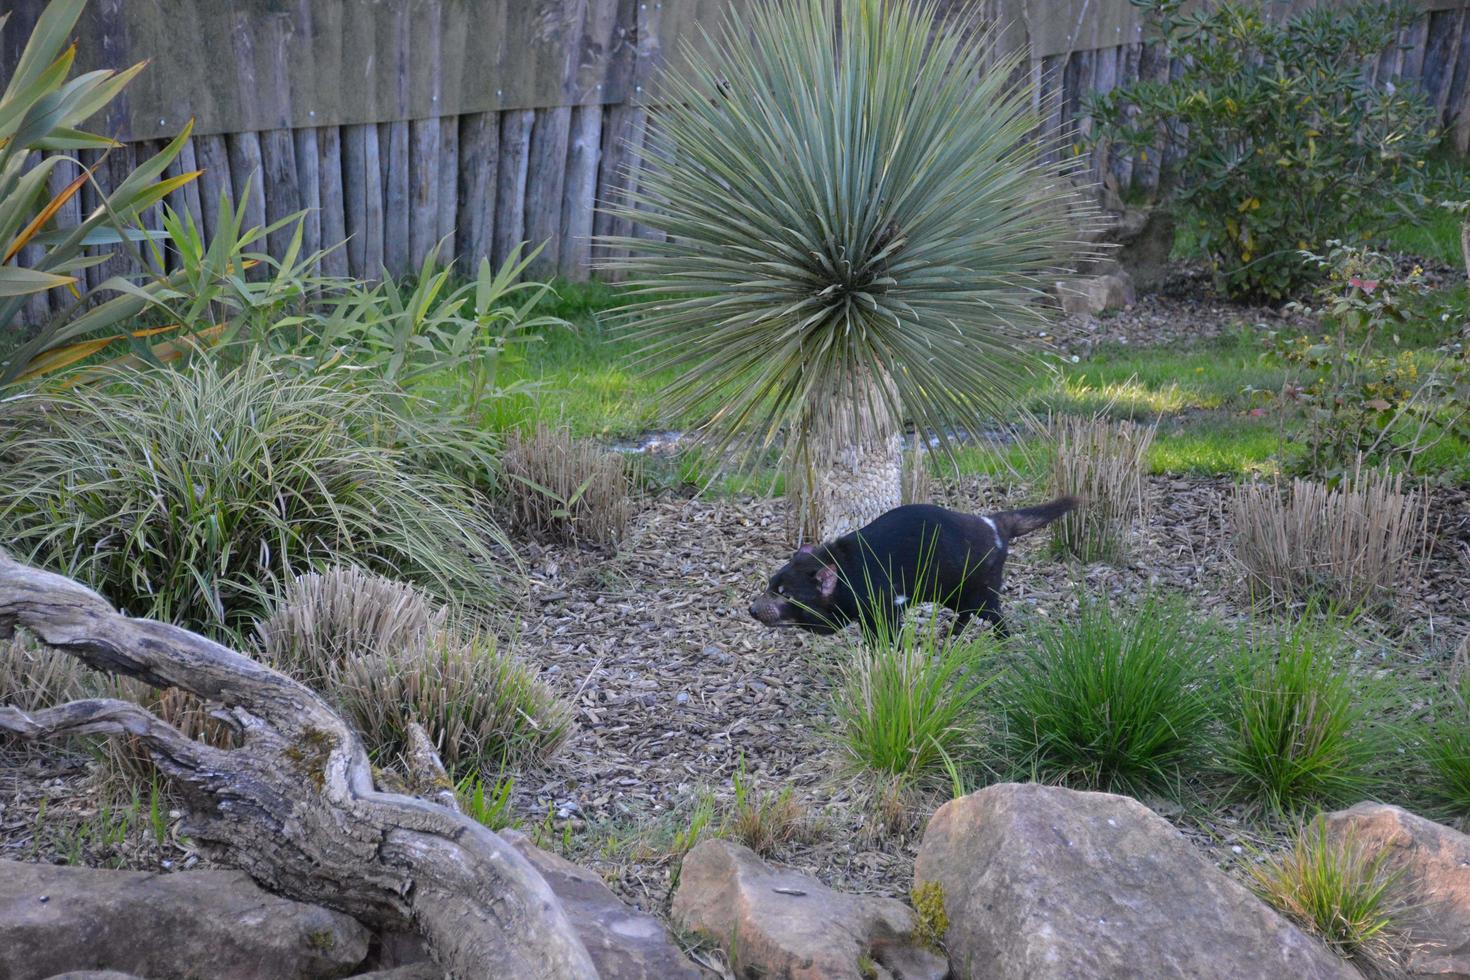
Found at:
[827, 581]
[806, 549]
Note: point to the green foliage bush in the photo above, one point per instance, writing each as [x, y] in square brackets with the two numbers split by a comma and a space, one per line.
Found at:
[1115, 700]
[1363, 402]
[1284, 142]
[1304, 730]
[192, 496]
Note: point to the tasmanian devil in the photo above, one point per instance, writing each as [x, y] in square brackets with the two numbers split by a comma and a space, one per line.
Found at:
[912, 554]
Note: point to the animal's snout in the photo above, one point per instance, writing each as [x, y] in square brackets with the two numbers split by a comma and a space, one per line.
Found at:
[766, 609]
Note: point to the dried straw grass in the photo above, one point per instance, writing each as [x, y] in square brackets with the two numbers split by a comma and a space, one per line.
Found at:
[566, 489]
[1102, 463]
[1352, 546]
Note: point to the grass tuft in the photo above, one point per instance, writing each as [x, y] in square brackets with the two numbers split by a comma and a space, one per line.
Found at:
[1338, 891]
[1303, 731]
[1115, 701]
[388, 657]
[906, 710]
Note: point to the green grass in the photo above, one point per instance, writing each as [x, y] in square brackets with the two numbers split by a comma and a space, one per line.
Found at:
[1339, 890]
[1303, 730]
[905, 711]
[1203, 396]
[1117, 700]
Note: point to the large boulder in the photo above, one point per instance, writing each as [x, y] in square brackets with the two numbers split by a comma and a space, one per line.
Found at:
[1040, 882]
[777, 923]
[624, 943]
[216, 924]
[1434, 864]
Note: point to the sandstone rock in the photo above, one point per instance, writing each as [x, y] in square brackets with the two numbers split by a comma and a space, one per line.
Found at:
[624, 943]
[1098, 294]
[781, 924]
[1041, 882]
[1137, 241]
[216, 924]
[1435, 864]
[412, 971]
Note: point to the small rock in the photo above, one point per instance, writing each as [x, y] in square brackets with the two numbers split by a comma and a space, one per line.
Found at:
[781, 924]
[1434, 861]
[1098, 294]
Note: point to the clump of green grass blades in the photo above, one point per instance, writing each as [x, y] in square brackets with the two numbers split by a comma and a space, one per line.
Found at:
[1115, 700]
[189, 495]
[1303, 730]
[1448, 749]
[1339, 891]
[906, 711]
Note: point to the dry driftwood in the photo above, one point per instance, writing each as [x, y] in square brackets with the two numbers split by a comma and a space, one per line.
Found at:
[294, 805]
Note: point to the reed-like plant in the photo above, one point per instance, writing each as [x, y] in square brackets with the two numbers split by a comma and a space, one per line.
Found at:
[1102, 463]
[562, 488]
[1356, 545]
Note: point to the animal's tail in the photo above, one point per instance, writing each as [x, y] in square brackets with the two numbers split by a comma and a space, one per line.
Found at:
[1013, 523]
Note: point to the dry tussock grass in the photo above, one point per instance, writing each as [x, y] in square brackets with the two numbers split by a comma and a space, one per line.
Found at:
[566, 489]
[1102, 462]
[387, 656]
[1351, 546]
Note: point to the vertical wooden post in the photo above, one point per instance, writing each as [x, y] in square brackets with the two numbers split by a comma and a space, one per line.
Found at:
[579, 193]
[510, 189]
[479, 158]
[545, 183]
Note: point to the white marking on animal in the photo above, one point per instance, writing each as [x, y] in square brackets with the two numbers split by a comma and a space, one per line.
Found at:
[900, 600]
[999, 544]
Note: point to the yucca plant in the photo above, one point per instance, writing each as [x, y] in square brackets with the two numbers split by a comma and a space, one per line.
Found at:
[41, 109]
[857, 217]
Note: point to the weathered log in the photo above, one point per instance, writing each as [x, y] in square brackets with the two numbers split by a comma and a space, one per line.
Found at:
[294, 805]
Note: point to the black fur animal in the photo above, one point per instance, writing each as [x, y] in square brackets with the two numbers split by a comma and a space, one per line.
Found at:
[873, 574]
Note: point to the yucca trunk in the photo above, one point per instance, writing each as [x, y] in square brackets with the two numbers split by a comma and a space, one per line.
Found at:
[849, 469]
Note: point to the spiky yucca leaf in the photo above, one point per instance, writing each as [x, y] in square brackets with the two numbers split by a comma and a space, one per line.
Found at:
[852, 191]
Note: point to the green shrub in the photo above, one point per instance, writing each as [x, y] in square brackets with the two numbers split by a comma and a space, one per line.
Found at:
[1115, 700]
[42, 108]
[1284, 142]
[1362, 404]
[388, 656]
[906, 712]
[1338, 891]
[191, 496]
[1303, 729]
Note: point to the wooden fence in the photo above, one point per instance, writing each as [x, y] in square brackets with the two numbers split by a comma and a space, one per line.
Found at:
[483, 123]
